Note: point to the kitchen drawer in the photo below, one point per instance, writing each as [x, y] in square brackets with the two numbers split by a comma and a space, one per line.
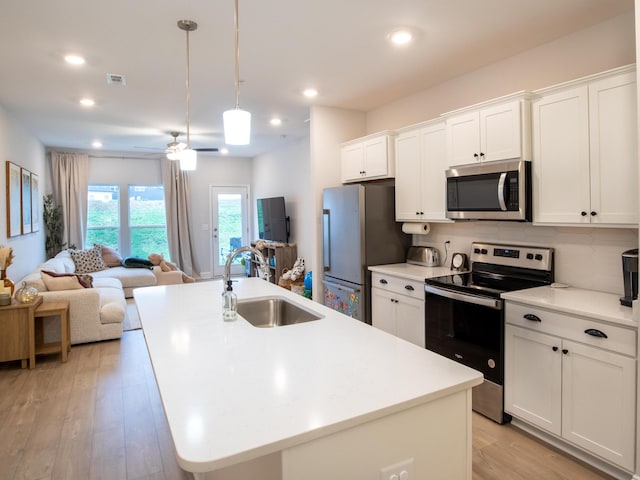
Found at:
[619, 339]
[399, 285]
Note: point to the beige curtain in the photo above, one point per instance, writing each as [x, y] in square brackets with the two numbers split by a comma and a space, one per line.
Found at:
[70, 186]
[177, 201]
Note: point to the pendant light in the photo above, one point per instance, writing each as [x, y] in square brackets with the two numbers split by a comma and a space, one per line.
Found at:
[188, 157]
[237, 122]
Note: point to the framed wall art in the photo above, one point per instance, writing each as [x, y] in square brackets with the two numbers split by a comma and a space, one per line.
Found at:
[35, 203]
[26, 201]
[14, 206]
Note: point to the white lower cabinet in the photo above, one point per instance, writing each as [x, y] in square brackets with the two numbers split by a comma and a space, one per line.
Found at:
[397, 307]
[565, 381]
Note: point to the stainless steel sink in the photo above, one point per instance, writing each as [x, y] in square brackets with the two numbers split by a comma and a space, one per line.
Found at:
[274, 312]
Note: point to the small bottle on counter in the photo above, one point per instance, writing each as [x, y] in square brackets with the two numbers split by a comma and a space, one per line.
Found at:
[229, 305]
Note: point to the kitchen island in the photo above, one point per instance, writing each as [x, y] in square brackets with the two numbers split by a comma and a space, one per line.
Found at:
[331, 398]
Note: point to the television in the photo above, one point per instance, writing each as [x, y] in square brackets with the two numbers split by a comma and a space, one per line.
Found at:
[273, 223]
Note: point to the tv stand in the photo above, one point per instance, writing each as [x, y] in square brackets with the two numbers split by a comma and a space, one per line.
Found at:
[279, 256]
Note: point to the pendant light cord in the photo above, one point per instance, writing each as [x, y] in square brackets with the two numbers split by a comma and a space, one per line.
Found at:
[188, 93]
[237, 56]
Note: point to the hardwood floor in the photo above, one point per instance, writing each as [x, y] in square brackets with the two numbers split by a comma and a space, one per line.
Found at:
[99, 416]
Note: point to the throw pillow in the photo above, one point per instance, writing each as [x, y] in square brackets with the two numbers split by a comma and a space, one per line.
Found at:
[65, 281]
[110, 256]
[88, 261]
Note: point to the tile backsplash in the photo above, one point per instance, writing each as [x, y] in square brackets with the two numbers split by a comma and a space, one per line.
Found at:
[585, 257]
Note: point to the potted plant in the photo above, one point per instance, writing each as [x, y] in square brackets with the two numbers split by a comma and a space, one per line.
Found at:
[52, 215]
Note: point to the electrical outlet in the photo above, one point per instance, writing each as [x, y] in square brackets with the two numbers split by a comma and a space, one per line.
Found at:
[398, 471]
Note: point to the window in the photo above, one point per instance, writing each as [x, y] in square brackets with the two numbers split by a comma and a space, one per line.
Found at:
[137, 228]
[147, 221]
[103, 217]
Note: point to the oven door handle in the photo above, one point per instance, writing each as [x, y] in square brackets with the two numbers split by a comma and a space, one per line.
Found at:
[494, 303]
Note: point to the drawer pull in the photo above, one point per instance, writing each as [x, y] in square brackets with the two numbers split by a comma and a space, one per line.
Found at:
[532, 317]
[595, 333]
[409, 287]
[383, 281]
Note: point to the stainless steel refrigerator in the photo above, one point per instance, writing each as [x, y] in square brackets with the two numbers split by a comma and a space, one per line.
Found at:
[359, 230]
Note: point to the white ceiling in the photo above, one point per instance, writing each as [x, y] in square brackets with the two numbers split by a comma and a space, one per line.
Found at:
[337, 46]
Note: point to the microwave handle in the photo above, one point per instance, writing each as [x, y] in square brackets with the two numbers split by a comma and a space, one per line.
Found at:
[501, 192]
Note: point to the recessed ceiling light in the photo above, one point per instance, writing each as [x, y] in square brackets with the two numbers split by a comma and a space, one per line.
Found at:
[74, 59]
[275, 121]
[97, 144]
[401, 36]
[87, 102]
[310, 92]
[224, 151]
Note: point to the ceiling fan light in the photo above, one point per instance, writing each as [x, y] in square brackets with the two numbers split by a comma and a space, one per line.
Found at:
[188, 159]
[237, 126]
[173, 155]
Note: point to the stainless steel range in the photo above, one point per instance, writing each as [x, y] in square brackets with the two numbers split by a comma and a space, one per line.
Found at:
[464, 315]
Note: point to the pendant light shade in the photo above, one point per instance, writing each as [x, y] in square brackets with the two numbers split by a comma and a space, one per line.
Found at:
[237, 126]
[188, 159]
[237, 122]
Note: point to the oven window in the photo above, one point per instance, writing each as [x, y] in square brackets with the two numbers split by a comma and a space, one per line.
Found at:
[470, 334]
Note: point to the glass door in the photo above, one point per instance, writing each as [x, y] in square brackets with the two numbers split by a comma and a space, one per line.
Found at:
[229, 226]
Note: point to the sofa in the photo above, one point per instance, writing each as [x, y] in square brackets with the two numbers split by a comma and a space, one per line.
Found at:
[95, 313]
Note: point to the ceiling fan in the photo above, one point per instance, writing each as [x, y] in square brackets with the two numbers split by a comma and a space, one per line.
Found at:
[176, 147]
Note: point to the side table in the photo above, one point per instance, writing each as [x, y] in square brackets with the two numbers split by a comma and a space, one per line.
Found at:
[16, 331]
[52, 309]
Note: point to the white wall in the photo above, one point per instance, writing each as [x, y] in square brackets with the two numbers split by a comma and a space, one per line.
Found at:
[601, 47]
[286, 173]
[585, 257]
[20, 147]
[329, 128]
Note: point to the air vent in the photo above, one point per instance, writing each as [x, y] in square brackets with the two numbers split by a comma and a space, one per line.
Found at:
[115, 79]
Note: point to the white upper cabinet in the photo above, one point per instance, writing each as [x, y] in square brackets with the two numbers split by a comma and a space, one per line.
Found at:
[496, 132]
[421, 160]
[368, 158]
[585, 152]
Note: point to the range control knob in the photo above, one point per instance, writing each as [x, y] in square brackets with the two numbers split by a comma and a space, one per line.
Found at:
[538, 256]
[476, 250]
[529, 256]
[483, 251]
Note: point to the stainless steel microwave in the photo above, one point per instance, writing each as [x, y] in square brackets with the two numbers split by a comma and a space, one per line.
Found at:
[490, 191]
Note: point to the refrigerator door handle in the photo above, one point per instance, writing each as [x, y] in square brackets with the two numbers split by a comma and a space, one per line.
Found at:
[326, 246]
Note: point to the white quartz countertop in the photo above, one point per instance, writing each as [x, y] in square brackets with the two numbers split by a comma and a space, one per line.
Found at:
[411, 271]
[589, 303]
[233, 392]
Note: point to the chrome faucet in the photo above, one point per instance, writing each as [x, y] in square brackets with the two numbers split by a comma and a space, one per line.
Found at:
[263, 268]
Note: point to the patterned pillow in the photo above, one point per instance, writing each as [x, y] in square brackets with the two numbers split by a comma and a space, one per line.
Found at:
[88, 261]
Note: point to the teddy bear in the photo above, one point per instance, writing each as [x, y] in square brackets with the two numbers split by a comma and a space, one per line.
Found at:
[158, 260]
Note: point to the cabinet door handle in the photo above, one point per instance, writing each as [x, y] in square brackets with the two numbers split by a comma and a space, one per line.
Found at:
[532, 317]
[565, 351]
[481, 154]
[383, 281]
[593, 214]
[475, 155]
[554, 348]
[583, 213]
[409, 287]
[594, 332]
